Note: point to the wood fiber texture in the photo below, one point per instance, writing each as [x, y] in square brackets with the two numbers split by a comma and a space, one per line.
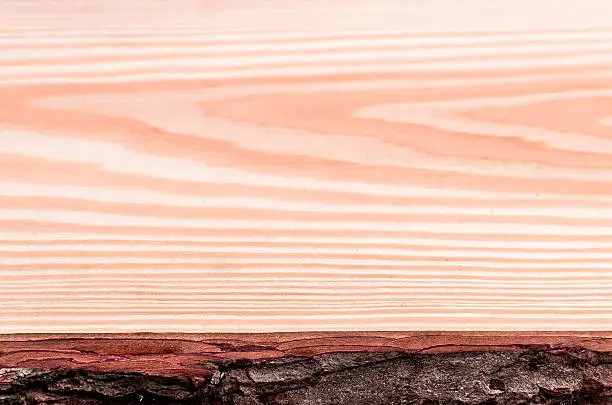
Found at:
[257, 166]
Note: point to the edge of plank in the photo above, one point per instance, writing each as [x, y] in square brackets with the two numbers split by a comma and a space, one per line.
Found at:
[303, 368]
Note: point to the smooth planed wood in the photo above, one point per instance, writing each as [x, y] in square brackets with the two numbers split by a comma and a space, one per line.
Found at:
[257, 166]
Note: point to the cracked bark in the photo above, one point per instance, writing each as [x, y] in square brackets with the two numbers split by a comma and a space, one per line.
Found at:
[331, 369]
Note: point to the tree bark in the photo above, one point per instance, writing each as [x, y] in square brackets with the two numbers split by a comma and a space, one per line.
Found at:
[295, 369]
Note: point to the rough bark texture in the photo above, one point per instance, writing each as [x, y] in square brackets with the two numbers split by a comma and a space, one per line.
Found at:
[50, 371]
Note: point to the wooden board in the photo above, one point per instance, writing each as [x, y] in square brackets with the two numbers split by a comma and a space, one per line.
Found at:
[249, 166]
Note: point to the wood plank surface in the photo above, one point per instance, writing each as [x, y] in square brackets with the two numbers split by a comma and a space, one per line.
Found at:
[249, 166]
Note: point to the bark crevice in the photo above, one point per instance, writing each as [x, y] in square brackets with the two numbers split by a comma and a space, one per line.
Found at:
[526, 376]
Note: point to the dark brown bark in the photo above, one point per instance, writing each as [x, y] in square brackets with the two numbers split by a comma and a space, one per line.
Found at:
[287, 369]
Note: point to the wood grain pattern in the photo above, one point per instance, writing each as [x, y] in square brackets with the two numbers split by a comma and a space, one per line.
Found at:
[250, 166]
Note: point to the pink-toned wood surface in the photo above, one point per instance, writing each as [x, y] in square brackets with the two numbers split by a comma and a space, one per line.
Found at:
[249, 166]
